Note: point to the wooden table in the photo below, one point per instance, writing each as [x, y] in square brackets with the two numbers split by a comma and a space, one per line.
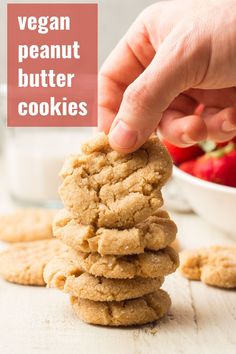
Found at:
[202, 319]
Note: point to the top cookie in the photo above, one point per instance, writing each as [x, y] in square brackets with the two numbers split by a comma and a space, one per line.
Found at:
[214, 266]
[26, 225]
[108, 189]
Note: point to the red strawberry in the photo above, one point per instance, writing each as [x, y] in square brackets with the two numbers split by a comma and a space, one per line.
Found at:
[218, 166]
[188, 167]
[180, 155]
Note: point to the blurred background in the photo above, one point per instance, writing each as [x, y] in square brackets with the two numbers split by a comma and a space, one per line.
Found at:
[30, 158]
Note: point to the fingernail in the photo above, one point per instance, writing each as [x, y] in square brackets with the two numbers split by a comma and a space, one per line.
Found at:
[228, 126]
[122, 136]
[185, 138]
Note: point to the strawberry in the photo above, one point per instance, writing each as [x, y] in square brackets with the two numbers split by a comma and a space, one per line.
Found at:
[188, 167]
[218, 166]
[180, 155]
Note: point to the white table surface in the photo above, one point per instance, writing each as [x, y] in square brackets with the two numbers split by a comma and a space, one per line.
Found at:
[202, 319]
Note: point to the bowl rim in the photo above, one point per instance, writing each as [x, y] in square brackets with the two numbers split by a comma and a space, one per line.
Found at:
[200, 182]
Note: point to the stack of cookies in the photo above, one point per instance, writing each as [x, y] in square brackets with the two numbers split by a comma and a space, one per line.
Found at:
[118, 236]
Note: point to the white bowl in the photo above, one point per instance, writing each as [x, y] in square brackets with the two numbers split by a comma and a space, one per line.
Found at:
[213, 202]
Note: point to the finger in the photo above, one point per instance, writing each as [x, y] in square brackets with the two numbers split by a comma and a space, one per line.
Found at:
[215, 98]
[182, 130]
[126, 62]
[109, 97]
[172, 125]
[221, 124]
[185, 104]
[151, 93]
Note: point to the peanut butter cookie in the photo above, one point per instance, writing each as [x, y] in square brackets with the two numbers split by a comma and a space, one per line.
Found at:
[63, 273]
[26, 225]
[155, 233]
[214, 266]
[24, 262]
[147, 265]
[176, 245]
[145, 309]
[108, 189]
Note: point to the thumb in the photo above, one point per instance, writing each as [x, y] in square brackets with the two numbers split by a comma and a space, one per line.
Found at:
[145, 100]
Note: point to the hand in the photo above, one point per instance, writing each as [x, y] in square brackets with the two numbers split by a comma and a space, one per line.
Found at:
[174, 70]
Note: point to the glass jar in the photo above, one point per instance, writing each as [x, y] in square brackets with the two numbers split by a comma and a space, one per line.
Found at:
[3, 110]
[33, 159]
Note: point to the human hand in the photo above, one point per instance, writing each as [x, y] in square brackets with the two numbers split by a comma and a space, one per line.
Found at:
[174, 71]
